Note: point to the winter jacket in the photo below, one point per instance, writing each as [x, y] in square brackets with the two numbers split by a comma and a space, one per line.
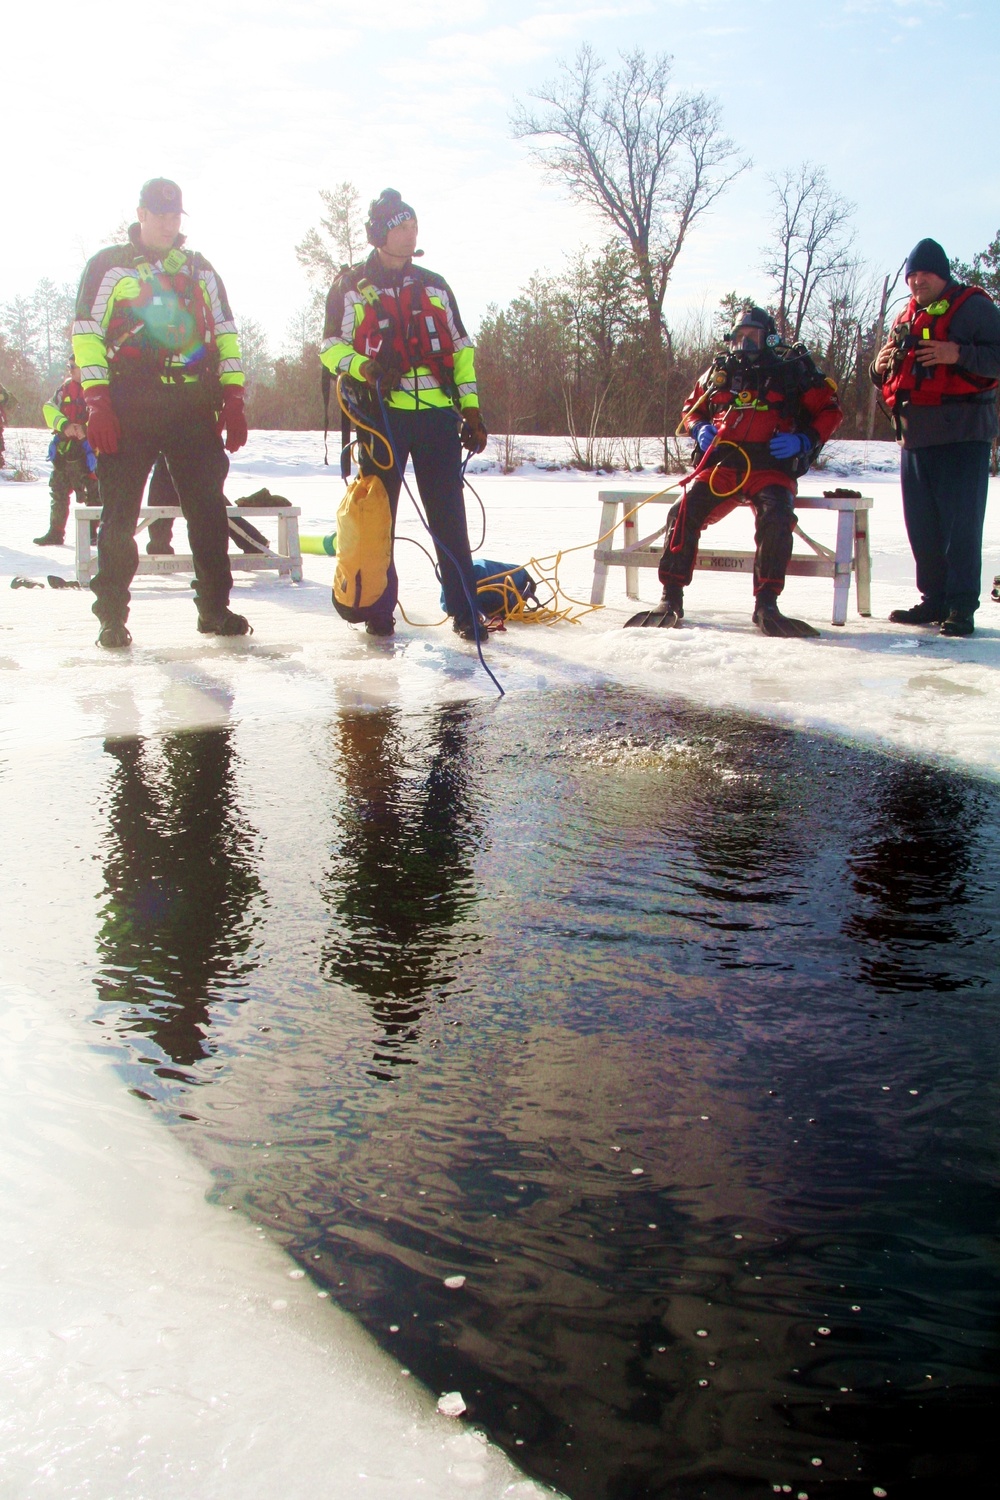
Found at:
[975, 328]
[140, 317]
[346, 344]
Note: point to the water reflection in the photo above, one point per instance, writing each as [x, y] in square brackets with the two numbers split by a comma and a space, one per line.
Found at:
[654, 1126]
[912, 869]
[176, 930]
[400, 880]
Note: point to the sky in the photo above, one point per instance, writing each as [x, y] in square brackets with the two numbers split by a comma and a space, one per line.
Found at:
[253, 108]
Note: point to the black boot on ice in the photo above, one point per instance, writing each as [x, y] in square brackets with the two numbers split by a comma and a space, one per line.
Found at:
[224, 623]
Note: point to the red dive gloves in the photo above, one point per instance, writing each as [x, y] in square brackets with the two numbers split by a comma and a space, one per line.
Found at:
[103, 430]
[232, 424]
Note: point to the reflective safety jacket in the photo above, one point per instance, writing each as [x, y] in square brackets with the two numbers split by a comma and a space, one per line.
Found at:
[906, 380]
[67, 405]
[415, 311]
[140, 317]
[750, 398]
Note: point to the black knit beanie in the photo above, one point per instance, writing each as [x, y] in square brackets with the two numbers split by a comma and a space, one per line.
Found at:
[384, 213]
[927, 255]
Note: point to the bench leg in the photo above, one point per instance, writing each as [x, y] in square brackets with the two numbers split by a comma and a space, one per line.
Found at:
[84, 553]
[842, 565]
[609, 514]
[862, 563]
[630, 537]
[288, 545]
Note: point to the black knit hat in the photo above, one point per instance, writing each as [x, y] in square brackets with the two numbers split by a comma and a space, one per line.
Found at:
[384, 213]
[927, 255]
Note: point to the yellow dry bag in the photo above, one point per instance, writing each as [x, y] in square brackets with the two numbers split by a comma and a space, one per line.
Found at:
[364, 550]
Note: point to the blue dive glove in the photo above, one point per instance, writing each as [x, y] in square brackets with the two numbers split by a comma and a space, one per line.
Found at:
[788, 444]
[704, 435]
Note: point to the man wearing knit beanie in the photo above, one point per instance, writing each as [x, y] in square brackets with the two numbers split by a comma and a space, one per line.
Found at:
[938, 374]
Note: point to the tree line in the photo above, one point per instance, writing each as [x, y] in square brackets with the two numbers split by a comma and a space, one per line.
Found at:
[586, 351]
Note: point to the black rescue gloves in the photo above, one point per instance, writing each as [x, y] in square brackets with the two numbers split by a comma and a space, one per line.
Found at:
[474, 434]
[384, 371]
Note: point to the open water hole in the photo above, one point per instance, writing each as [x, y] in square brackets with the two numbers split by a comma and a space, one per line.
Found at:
[673, 1033]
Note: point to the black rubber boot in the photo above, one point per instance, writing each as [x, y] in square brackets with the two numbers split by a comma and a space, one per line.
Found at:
[114, 636]
[924, 613]
[958, 623]
[381, 627]
[770, 621]
[225, 623]
[50, 539]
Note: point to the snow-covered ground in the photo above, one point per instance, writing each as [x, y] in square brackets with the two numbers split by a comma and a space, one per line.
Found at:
[151, 1345]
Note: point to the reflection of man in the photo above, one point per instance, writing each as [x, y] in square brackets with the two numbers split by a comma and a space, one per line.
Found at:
[395, 328]
[938, 374]
[402, 876]
[73, 462]
[758, 416]
[156, 344]
[179, 885]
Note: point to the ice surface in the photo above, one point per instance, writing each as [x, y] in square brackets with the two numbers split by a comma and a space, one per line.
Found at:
[154, 1345]
[884, 684]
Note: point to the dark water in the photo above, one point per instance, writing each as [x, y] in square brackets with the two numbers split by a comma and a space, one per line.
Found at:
[674, 1034]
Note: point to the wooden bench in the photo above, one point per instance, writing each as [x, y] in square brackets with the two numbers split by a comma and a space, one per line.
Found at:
[851, 553]
[286, 558]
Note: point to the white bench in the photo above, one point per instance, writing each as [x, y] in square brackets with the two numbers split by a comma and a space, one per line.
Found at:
[851, 554]
[286, 558]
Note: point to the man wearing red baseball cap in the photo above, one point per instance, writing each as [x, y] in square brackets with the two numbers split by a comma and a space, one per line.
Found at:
[160, 366]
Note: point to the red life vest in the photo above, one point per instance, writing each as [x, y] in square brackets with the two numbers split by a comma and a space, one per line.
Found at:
[71, 403]
[930, 385]
[418, 329]
[167, 329]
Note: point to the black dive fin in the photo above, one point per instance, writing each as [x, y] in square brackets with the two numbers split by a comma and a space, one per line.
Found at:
[772, 622]
[665, 617]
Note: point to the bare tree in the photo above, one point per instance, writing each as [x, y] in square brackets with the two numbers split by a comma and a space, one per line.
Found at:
[338, 241]
[649, 160]
[812, 243]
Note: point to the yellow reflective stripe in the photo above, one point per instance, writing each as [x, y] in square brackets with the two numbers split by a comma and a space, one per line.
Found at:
[53, 417]
[90, 354]
[465, 375]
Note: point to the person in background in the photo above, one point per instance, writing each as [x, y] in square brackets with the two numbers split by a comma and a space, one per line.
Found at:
[394, 328]
[938, 373]
[6, 402]
[73, 461]
[160, 363]
[759, 416]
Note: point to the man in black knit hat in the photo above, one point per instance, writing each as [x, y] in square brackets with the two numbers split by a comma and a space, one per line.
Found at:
[394, 329]
[938, 376]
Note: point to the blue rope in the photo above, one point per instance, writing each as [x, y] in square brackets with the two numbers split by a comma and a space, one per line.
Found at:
[479, 629]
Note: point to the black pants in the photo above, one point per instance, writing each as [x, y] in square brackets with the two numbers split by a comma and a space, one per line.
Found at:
[70, 476]
[944, 506]
[775, 521]
[179, 422]
[430, 436]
